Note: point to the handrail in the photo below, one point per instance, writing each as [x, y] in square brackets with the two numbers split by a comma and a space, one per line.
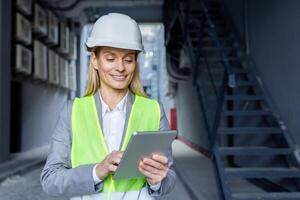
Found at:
[211, 111]
[195, 61]
[229, 79]
[231, 76]
[253, 72]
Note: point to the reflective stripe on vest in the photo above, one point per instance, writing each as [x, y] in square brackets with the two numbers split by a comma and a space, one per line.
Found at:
[88, 143]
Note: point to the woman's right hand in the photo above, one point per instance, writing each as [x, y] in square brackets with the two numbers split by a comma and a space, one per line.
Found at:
[109, 164]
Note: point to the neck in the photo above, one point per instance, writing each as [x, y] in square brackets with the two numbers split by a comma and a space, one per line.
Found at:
[112, 96]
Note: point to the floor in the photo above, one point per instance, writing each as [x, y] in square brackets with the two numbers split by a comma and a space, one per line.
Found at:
[195, 179]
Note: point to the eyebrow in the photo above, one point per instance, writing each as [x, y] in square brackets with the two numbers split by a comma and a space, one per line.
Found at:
[115, 54]
[108, 52]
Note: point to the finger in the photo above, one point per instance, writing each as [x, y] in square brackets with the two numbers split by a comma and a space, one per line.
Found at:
[154, 163]
[148, 174]
[158, 153]
[160, 158]
[114, 159]
[112, 168]
[150, 169]
[161, 172]
[117, 153]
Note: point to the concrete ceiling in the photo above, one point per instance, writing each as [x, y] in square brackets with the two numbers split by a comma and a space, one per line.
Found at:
[85, 11]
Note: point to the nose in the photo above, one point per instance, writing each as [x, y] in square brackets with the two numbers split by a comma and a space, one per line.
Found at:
[120, 66]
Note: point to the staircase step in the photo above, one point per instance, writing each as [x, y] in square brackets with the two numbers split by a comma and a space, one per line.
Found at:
[246, 112]
[216, 17]
[196, 14]
[219, 25]
[205, 49]
[240, 83]
[195, 22]
[267, 196]
[220, 34]
[259, 151]
[244, 97]
[221, 70]
[245, 83]
[218, 30]
[194, 28]
[263, 172]
[219, 59]
[195, 9]
[209, 38]
[250, 130]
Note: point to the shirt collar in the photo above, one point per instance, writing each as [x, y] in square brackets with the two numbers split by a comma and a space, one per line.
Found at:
[121, 106]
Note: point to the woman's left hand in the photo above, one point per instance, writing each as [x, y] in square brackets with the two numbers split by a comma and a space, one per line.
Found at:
[155, 168]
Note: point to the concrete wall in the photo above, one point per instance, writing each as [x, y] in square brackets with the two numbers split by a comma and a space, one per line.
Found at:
[274, 46]
[190, 123]
[5, 40]
[39, 112]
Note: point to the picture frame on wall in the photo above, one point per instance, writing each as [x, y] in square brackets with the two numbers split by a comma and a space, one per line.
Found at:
[67, 41]
[73, 46]
[72, 76]
[23, 59]
[24, 6]
[64, 39]
[53, 67]
[40, 60]
[40, 20]
[23, 30]
[53, 22]
[64, 72]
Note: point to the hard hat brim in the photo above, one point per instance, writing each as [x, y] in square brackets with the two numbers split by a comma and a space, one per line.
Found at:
[122, 45]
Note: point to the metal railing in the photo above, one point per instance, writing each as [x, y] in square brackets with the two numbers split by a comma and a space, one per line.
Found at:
[210, 93]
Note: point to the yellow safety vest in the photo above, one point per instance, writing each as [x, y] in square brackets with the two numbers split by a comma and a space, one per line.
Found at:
[88, 143]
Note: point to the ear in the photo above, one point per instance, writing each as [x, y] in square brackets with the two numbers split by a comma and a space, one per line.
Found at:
[94, 61]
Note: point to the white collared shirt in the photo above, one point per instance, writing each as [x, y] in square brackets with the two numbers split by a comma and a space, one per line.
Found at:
[113, 122]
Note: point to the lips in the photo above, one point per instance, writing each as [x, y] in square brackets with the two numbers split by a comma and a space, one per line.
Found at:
[119, 77]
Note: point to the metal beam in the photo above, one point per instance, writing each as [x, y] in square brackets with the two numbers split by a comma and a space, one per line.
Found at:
[75, 11]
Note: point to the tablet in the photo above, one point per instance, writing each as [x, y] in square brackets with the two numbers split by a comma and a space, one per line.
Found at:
[142, 144]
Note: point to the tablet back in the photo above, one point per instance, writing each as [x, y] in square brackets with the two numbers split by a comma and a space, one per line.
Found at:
[140, 145]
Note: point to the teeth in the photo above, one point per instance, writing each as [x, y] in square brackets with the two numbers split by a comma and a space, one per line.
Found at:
[118, 77]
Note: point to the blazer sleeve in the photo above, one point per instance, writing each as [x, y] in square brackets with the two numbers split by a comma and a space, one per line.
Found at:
[168, 183]
[58, 177]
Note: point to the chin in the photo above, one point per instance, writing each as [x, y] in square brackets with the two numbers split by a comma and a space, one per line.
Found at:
[119, 86]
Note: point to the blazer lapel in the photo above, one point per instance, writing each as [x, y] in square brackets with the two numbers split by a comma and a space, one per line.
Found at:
[99, 109]
[130, 100]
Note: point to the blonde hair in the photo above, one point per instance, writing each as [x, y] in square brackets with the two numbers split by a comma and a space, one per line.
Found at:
[93, 85]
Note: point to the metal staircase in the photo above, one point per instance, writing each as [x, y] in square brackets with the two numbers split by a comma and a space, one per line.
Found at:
[249, 142]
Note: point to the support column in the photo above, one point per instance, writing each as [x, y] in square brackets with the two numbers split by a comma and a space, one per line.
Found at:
[5, 77]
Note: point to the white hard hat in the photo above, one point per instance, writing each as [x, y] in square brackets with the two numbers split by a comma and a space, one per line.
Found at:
[116, 30]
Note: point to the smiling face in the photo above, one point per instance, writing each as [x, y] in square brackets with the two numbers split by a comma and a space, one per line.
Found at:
[115, 67]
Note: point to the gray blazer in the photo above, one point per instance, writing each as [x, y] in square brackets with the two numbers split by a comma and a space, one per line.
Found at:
[58, 178]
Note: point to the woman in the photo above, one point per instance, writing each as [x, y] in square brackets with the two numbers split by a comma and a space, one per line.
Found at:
[93, 131]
